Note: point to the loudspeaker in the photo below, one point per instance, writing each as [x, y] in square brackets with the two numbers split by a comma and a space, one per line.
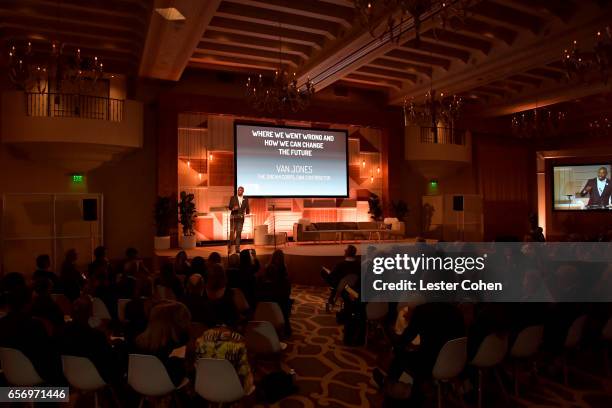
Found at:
[90, 209]
[458, 203]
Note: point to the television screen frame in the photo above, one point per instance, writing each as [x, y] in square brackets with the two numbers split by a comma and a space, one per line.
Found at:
[580, 164]
[262, 124]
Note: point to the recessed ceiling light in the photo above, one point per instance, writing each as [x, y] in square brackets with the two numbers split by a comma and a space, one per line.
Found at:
[170, 14]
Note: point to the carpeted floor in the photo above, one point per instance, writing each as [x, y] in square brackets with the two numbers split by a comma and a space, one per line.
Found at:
[330, 374]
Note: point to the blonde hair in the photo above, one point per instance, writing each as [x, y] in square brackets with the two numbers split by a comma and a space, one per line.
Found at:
[168, 321]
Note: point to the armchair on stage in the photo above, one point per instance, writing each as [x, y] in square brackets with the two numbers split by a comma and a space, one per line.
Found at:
[305, 231]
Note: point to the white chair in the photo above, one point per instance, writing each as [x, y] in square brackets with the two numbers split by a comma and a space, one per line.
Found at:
[99, 309]
[270, 312]
[572, 342]
[217, 381]
[148, 377]
[18, 369]
[525, 347]
[449, 363]
[242, 305]
[350, 280]
[261, 338]
[84, 376]
[121, 304]
[490, 353]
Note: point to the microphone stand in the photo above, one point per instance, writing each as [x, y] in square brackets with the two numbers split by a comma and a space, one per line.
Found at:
[274, 225]
[229, 244]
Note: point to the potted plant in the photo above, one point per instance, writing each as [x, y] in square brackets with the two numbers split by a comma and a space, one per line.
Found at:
[400, 210]
[165, 214]
[187, 217]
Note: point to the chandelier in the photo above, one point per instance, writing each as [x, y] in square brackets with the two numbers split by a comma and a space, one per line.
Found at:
[538, 122]
[600, 127]
[38, 71]
[280, 94]
[580, 64]
[398, 12]
[435, 117]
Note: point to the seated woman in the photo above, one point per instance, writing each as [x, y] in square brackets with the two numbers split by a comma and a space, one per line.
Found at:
[194, 297]
[181, 264]
[274, 286]
[168, 329]
[169, 280]
[220, 341]
[137, 310]
[219, 306]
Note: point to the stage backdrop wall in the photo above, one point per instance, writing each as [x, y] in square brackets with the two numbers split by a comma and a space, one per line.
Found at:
[206, 169]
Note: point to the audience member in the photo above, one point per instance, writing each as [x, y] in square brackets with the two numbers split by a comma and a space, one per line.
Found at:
[134, 265]
[435, 324]
[167, 330]
[169, 280]
[44, 308]
[223, 343]
[71, 280]
[138, 309]
[244, 278]
[274, 286]
[219, 300]
[194, 298]
[43, 271]
[21, 331]
[349, 265]
[213, 259]
[80, 339]
[101, 263]
[198, 265]
[181, 264]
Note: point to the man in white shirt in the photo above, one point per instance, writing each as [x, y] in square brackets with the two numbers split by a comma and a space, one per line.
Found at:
[599, 189]
[239, 206]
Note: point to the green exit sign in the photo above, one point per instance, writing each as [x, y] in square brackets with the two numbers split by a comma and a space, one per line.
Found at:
[77, 178]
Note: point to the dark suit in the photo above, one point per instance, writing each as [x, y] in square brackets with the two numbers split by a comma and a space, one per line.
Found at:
[237, 219]
[595, 198]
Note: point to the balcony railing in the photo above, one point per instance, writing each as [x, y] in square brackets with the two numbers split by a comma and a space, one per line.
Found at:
[442, 135]
[74, 106]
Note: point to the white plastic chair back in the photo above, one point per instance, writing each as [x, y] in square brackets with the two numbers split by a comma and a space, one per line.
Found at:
[18, 369]
[100, 311]
[121, 304]
[607, 330]
[261, 338]
[377, 310]
[242, 305]
[575, 331]
[81, 373]
[148, 376]
[350, 280]
[451, 359]
[528, 342]
[269, 312]
[491, 351]
[217, 381]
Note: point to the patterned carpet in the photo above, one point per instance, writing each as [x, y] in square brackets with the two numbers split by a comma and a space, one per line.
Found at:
[330, 374]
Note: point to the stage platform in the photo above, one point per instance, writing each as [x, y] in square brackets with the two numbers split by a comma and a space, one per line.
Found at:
[303, 260]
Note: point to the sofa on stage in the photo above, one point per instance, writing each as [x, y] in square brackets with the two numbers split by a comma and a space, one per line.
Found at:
[305, 231]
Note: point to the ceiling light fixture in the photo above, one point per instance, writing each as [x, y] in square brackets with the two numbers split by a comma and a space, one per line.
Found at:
[170, 13]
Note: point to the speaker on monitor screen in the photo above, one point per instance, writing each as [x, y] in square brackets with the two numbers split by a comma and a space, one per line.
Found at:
[458, 203]
[90, 209]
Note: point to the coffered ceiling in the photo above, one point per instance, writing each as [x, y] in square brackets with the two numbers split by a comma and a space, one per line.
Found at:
[505, 54]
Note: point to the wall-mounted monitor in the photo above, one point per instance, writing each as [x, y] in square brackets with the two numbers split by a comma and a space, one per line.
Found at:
[582, 187]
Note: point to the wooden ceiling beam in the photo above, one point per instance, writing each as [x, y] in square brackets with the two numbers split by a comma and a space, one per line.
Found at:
[507, 16]
[222, 62]
[490, 31]
[277, 19]
[303, 51]
[562, 9]
[227, 25]
[438, 50]
[367, 80]
[401, 66]
[454, 38]
[169, 45]
[246, 51]
[408, 56]
[385, 73]
[525, 80]
[312, 9]
[546, 73]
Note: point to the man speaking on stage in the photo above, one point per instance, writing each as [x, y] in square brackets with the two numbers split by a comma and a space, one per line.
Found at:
[239, 206]
[598, 189]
